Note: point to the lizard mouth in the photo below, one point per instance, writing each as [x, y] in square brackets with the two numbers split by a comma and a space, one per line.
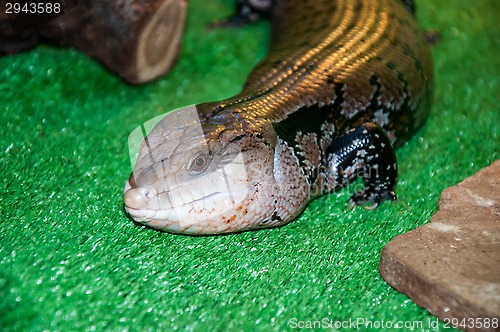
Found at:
[167, 209]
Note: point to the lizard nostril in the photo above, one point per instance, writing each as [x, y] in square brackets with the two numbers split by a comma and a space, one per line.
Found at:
[138, 198]
[148, 192]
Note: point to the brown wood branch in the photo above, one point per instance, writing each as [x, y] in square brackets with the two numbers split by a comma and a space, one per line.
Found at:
[138, 39]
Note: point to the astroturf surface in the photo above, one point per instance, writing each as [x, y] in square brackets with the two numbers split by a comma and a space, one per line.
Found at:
[70, 259]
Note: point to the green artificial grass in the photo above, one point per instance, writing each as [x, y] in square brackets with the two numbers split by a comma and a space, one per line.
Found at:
[70, 258]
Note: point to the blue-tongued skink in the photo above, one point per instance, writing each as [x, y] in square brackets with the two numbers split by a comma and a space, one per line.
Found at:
[344, 82]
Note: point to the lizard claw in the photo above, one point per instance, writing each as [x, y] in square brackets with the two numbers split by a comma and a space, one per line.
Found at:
[371, 195]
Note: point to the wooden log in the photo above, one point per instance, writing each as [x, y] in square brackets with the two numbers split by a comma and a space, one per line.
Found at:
[14, 42]
[17, 27]
[137, 39]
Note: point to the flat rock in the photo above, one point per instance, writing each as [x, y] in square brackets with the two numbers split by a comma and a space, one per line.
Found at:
[451, 266]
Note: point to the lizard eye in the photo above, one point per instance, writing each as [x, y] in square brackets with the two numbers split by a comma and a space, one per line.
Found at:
[199, 163]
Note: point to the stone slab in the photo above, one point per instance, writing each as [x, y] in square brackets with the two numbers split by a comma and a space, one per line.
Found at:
[451, 266]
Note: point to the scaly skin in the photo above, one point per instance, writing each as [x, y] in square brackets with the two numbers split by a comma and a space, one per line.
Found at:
[344, 82]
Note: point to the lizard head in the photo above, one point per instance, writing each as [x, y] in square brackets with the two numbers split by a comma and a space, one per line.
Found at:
[204, 175]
